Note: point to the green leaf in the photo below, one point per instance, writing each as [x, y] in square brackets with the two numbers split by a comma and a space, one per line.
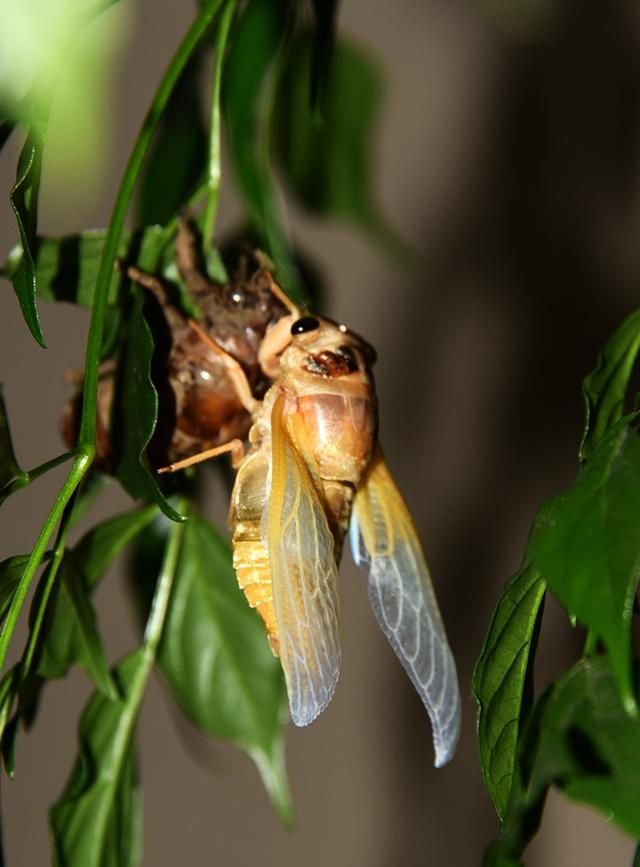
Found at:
[215, 657]
[9, 469]
[24, 202]
[80, 641]
[67, 268]
[589, 745]
[11, 571]
[586, 744]
[71, 635]
[586, 545]
[178, 156]
[500, 680]
[139, 412]
[606, 386]
[96, 821]
[247, 107]
[327, 160]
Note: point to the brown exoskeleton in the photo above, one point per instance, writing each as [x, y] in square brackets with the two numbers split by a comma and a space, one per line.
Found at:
[198, 404]
[312, 470]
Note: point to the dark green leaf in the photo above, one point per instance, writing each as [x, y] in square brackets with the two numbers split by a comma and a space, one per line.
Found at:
[96, 821]
[178, 157]
[325, 13]
[8, 690]
[9, 468]
[216, 659]
[7, 126]
[101, 545]
[246, 104]
[24, 202]
[71, 635]
[139, 414]
[80, 641]
[67, 268]
[10, 573]
[587, 745]
[496, 857]
[586, 545]
[8, 746]
[500, 678]
[328, 160]
[606, 386]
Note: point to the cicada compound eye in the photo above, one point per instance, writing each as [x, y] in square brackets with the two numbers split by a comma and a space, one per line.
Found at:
[307, 323]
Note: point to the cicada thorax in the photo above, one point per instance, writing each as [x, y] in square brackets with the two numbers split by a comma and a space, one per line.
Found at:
[330, 415]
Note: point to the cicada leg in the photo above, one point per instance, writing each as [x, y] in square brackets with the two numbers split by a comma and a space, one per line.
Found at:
[235, 447]
[234, 370]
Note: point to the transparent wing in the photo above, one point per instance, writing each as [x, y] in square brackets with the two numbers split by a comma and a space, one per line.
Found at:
[303, 572]
[384, 543]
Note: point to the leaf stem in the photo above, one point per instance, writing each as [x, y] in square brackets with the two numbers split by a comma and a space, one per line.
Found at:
[25, 478]
[214, 169]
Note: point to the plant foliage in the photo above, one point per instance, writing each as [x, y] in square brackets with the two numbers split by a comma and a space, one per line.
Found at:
[580, 734]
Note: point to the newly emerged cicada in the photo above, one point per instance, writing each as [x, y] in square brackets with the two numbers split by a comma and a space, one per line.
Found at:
[312, 471]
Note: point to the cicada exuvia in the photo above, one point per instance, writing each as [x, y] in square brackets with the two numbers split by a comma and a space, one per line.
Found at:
[313, 471]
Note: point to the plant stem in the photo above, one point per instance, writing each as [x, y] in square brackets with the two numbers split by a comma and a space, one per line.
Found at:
[158, 612]
[51, 573]
[214, 171]
[120, 208]
[86, 443]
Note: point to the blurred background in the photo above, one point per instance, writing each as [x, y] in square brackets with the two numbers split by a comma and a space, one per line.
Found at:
[508, 156]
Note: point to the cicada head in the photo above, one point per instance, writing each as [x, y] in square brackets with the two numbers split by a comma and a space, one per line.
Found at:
[324, 349]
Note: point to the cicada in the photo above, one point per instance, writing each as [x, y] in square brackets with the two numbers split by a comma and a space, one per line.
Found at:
[197, 404]
[313, 472]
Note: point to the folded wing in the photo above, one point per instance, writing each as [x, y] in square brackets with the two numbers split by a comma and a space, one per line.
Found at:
[385, 544]
[304, 574]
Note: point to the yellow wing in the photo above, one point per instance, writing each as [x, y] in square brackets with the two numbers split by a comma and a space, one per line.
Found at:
[304, 574]
[385, 543]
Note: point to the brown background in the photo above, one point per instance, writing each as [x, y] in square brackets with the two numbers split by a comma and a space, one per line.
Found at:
[511, 165]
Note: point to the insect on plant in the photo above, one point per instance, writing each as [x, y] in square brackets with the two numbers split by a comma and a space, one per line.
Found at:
[312, 471]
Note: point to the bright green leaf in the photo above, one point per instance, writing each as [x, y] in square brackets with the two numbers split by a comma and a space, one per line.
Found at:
[586, 545]
[96, 821]
[216, 659]
[606, 386]
[71, 635]
[24, 202]
[500, 680]
[139, 413]
[178, 156]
